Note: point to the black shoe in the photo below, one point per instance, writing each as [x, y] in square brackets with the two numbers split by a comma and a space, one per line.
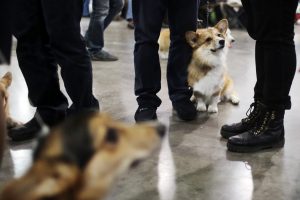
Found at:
[185, 109]
[102, 56]
[246, 124]
[267, 133]
[130, 24]
[143, 114]
[24, 132]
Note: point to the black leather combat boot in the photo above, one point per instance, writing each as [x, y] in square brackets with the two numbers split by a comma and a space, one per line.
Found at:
[267, 133]
[244, 125]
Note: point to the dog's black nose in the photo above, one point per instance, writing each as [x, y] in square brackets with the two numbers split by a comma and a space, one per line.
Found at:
[222, 42]
[161, 130]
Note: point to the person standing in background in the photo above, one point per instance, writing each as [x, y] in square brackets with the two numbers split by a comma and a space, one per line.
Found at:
[148, 16]
[129, 16]
[103, 13]
[86, 9]
[271, 24]
[48, 35]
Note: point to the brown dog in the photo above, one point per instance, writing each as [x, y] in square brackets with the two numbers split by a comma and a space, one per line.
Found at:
[83, 157]
[5, 82]
[5, 120]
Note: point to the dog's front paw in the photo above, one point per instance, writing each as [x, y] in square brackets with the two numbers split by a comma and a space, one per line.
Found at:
[201, 107]
[212, 109]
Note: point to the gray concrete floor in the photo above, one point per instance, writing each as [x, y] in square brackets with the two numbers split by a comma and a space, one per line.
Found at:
[193, 162]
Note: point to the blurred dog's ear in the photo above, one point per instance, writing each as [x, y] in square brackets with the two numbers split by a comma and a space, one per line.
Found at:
[55, 181]
[192, 38]
[222, 26]
[62, 178]
[6, 79]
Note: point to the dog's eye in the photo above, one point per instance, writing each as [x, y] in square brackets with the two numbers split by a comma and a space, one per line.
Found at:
[111, 136]
[219, 35]
[194, 40]
[208, 39]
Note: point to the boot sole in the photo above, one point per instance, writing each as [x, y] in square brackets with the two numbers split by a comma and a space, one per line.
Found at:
[242, 149]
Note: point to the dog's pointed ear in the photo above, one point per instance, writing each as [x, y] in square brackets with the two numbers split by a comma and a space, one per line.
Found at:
[6, 79]
[192, 38]
[222, 26]
[54, 182]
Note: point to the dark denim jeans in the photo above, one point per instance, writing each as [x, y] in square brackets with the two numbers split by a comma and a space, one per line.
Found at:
[103, 13]
[148, 16]
[86, 10]
[48, 34]
[271, 24]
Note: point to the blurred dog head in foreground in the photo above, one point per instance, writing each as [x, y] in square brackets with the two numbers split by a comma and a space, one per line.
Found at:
[83, 157]
[5, 82]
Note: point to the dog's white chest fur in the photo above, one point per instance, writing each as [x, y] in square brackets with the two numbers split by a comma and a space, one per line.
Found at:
[213, 81]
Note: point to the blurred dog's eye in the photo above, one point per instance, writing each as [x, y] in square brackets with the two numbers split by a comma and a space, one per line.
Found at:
[208, 39]
[112, 136]
[219, 35]
[194, 40]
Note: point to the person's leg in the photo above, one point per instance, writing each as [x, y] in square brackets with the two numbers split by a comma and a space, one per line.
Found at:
[259, 62]
[86, 10]
[182, 18]
[129, 10]
[272, 26]
[63, 29]
[129, 17]
[94, 35]
[39, 68]
[115, 7]
[273, 29]
[147, 16]
[249, 121]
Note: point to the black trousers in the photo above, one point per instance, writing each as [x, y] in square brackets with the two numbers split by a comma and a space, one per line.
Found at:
[48, 34]
[271, 24]
[5, 31]
[148, 16]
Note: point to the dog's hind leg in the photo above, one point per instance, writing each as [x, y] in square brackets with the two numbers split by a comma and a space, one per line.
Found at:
[233, 98]
[231, 95]
[228, 93]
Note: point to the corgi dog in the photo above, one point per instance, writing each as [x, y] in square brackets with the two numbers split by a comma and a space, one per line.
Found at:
[207, 71]
[164, 42]
[5, 82]
[83, 157]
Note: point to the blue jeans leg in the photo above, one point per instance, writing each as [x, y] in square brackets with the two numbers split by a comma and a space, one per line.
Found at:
[103, 13]
[86, 10]
[94, 34]
[129, 10]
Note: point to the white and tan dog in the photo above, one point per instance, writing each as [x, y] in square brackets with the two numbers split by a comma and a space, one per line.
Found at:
[207, 72]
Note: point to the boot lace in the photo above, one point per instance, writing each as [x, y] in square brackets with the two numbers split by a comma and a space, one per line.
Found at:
[264, 123]
[251, 114]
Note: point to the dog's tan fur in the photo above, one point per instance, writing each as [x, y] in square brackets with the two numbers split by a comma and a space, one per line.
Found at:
[164, 43]
[52, 177]
[5, 82]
